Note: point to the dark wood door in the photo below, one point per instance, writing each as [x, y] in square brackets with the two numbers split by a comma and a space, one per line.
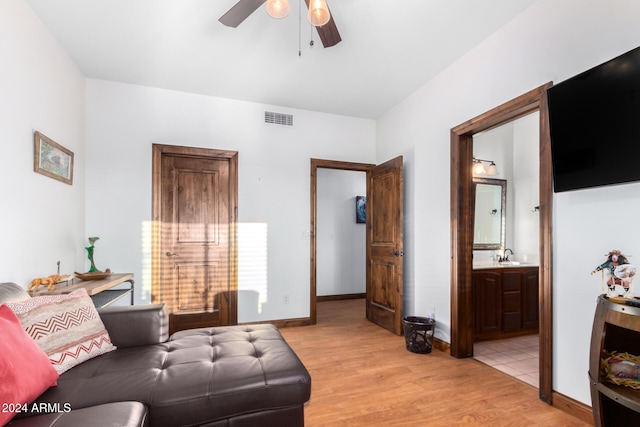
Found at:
[385, 245]
[196, 245]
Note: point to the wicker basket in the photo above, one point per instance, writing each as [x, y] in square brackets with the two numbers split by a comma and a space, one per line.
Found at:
[605, 368]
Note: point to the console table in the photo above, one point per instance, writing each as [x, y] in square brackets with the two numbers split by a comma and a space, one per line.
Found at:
[100, 291]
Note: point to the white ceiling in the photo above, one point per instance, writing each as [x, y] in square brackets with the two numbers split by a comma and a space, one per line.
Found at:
[388, 50]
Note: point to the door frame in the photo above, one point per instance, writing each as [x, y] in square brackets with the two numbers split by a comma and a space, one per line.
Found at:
[462, 226]
[325, 164]
[160, 150]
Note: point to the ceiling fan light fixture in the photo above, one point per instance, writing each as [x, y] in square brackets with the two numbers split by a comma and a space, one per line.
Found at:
[278, 8]
[318, 13]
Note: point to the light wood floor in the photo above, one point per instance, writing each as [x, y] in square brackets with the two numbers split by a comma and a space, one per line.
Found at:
[363, 375]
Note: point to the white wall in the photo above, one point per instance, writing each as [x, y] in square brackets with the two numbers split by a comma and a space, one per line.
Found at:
[550, 41]
[341, 242]
[41, 89]
[123, 121]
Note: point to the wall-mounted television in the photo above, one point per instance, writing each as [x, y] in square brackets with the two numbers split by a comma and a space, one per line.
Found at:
[594, 120]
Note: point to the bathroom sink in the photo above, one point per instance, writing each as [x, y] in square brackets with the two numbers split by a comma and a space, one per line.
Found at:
[515, 264]
[505, 264]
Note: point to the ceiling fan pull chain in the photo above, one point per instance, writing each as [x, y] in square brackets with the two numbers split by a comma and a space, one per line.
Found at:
[311, 36]
[300, 28]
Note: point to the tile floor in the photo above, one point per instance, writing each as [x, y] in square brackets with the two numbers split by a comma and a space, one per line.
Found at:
[516, 356]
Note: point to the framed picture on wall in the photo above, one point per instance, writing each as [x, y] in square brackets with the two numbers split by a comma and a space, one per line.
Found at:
[361, 209]
[52, 159]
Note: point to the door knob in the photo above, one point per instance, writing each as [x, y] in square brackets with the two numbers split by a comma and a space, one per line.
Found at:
[398, 253]
[170, 254]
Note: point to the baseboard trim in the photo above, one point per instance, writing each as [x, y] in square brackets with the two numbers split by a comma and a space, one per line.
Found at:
[282, 323]
[324, 298]
[442, 346]
[572, 407]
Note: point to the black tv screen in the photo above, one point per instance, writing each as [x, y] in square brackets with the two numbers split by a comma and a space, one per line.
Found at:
[594, 121]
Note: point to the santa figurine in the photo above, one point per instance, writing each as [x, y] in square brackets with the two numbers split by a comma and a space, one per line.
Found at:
[619, 274]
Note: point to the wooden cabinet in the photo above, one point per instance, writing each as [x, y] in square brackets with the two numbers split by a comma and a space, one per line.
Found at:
[616, 327]
[511, 301]
[530, 300]
[487, 301]
[505, 302]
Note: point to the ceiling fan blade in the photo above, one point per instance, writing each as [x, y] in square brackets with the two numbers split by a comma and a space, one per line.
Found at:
[240, 11]
[328, 33]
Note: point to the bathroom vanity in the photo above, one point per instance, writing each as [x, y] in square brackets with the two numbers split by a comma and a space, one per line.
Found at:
[505, 300]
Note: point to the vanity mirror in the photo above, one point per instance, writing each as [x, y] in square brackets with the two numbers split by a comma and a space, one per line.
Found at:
[490, 213]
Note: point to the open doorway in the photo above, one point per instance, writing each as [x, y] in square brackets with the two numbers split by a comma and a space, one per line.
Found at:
[341, 235]
[384, 240]
[462, 308]
[316, 166]
[506, 248]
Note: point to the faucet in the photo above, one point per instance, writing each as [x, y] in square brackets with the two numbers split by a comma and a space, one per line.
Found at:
[505, 258]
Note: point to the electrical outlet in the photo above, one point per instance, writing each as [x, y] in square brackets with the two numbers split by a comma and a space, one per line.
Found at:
[285, 299]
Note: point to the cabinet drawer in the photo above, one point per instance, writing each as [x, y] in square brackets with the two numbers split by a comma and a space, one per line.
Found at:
[511, 302]
[511, 281]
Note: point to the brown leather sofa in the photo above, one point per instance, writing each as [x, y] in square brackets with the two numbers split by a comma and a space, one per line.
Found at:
[225, 376]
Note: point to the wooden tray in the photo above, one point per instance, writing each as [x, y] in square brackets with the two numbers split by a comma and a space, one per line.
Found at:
[93, 276]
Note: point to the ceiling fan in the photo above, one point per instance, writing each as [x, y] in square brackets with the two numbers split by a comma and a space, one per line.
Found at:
[318, 15]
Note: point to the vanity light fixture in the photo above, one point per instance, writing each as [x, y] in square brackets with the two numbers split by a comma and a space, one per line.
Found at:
[492, 169]
[479, 169]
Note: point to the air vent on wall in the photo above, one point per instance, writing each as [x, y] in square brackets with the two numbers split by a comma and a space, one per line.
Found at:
[278, 118]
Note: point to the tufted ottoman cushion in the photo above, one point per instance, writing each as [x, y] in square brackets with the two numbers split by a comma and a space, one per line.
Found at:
[198, 377]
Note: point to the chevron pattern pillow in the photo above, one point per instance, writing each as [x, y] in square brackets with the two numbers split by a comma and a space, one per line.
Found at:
[67, 327]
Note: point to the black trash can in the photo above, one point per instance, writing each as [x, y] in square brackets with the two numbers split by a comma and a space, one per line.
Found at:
[418, 333]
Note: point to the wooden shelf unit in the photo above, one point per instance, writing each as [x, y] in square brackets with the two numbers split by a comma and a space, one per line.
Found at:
[616, 327]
